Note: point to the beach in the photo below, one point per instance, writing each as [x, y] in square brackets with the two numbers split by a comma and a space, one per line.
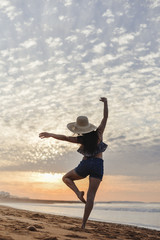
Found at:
[27, 225]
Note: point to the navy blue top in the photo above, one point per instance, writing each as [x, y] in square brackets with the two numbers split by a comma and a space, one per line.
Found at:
[101, 147]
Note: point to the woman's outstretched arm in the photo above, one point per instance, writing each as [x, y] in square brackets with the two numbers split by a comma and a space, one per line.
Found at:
[105, 115]
[58, 137]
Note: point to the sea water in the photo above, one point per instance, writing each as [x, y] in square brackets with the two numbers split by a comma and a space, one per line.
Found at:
[140, 214]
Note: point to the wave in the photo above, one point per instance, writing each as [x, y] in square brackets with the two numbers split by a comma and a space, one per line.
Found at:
[108, 207]
[129, 209]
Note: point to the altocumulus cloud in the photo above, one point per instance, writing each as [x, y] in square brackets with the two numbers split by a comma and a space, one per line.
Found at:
[57, 58]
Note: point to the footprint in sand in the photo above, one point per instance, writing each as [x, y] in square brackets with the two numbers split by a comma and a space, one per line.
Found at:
[37, 215]
[75, 236]
[51, 238]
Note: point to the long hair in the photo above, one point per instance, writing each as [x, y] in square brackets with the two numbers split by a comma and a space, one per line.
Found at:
[89, 141]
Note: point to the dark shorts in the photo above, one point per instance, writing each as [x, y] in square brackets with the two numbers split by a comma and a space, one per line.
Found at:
[92, 167]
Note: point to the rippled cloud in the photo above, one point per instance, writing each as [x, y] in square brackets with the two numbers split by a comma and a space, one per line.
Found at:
[57, 58]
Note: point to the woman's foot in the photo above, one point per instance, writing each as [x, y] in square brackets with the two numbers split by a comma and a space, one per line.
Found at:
[83, 226]
[80, 196]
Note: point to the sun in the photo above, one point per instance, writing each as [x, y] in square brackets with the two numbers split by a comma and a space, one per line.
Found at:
[48, 177]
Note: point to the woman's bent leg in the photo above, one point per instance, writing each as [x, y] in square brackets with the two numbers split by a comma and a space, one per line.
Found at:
[93, 186]
[69, 179]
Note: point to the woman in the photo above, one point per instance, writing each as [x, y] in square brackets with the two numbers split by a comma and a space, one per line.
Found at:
[92, 148]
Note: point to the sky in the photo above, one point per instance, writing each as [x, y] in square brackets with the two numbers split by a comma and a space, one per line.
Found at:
[57, 58]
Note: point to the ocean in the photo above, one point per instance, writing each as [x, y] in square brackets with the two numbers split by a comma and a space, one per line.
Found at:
[139, 214]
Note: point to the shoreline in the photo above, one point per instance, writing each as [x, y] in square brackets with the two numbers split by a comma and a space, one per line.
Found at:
[13, 203]
[31, 200]
[27, 225]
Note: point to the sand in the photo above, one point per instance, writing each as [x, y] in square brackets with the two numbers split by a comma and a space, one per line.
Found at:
[26, 225]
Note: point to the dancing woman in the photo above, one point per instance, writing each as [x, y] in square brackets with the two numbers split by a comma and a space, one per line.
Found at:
[91, 147]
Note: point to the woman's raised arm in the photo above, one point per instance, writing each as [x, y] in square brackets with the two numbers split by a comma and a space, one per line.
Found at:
[105, 116]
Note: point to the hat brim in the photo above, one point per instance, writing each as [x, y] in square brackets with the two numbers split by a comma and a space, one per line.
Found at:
[80, 130]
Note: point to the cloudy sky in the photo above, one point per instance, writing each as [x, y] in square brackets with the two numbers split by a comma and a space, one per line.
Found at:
[57, 58]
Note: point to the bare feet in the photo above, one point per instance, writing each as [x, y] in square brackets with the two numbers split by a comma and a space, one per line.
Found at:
[80, 196]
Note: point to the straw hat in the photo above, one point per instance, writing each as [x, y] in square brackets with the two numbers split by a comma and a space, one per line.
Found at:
[81, 125]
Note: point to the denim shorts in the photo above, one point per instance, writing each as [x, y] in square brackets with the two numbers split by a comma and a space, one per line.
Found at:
[92, 167]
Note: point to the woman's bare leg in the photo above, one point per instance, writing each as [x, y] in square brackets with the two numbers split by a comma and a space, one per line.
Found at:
[69, 179]
[93, 186]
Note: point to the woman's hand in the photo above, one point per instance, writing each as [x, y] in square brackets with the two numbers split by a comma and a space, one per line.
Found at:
[103, 99]
[45, 135]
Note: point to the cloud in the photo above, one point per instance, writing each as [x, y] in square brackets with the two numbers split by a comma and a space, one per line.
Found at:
[7, 8]
[72, 38]
[150, 57]
[54, 42]
[138, 161]
[34, 64]
[124, 39]
[109, 16]
[108, 13]
[68, 3]
[62, 18]
[99, 48]
[88, 30]
[29, 43]
[154, 4]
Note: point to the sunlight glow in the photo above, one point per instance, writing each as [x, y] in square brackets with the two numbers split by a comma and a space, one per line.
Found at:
[47, 177]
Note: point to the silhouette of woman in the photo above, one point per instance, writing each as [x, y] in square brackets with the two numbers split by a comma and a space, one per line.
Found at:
[91, 147]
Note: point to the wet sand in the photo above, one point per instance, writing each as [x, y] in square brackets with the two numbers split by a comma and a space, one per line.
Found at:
[26, 225]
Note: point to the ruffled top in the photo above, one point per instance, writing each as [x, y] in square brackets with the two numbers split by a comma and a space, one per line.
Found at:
[101, 147]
